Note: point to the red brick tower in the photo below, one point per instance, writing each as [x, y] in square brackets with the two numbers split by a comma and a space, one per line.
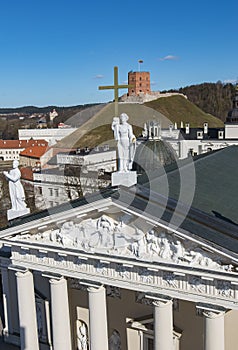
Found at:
[141, 82]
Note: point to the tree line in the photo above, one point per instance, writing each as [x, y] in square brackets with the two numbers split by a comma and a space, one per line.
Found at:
[214, 98]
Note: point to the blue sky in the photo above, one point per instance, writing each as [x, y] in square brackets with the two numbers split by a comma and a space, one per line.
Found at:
[59, 52]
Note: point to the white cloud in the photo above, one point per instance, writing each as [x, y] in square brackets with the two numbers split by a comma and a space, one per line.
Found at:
[230, 81]
[169, 58]
[99, 76]
[153, 83]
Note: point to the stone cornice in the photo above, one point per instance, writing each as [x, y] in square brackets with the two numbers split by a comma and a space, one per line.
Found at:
[197, 286]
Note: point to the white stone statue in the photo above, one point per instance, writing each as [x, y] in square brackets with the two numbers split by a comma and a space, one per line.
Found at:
[82, 338]
[16, 190]
[115, 341]
[123, 133]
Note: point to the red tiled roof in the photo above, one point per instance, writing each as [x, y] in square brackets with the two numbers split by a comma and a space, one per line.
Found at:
[22, 143]
[34, 152]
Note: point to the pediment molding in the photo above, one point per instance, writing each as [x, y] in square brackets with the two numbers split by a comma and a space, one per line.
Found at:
[122, 236]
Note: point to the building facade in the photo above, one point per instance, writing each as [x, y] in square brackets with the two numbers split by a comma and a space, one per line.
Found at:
[52, 136]
[11, 149]
[105, 274]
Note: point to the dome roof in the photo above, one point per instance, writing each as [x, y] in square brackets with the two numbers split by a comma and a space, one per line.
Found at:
[153, 154]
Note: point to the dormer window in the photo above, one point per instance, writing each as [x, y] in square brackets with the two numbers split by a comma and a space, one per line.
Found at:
[220, 134]
[199, 134]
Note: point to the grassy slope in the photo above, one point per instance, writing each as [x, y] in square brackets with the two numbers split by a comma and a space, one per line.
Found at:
[97, 130]
[178, 109]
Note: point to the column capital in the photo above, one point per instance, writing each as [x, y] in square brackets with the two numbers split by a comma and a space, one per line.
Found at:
[23, 274]
[159, 300]
[213, 314]
[57, 280]
[96, 289]
[93, 287]
[211, 311]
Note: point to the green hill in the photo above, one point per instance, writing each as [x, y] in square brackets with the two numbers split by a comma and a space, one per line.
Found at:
[97, 129]
[213, 98]
[178, 108]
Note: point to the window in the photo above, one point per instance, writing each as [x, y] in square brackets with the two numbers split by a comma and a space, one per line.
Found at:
[220, 134]
[51, 191]
[199, 134]
[56, 192]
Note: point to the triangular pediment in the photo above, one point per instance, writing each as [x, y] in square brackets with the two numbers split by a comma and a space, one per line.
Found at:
[108, 229]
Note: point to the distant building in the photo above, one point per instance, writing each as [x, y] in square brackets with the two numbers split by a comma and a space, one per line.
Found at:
[54, 186]
[52, 135]
[11, 149]
[99, 158]
[33, 156]
[195, 141]
[141, 82]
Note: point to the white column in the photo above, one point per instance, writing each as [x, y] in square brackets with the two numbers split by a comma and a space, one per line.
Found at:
[214, 336]
[27, 311]
[98, 318]
[60, 314]
[163, 325]
[6, 301]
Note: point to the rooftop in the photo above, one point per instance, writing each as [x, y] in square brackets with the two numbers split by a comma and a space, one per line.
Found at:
[34, 152]
[22, 143]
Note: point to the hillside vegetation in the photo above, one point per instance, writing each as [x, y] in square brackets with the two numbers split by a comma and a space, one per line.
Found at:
[97, 130]
[177, 109]
[213, 98]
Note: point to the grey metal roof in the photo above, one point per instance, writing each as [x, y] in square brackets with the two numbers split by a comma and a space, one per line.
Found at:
[212, 177]
[212, 133]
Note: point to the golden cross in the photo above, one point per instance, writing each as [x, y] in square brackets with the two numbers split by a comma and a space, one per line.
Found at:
[115, 87]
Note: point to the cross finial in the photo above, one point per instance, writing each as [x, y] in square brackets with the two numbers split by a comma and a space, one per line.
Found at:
[116, 88]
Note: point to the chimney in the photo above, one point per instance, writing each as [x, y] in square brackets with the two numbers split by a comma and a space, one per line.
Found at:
[181, 125]
[175, 126]
[187, 128]
[205, 128]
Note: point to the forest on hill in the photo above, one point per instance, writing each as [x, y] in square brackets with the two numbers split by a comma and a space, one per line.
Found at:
[212, 98]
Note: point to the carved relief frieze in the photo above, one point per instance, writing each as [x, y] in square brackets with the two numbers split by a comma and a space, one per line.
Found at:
[120, 238]
[101, 268]
[197, 284]
[95, 269]
[225, 289]
[123, 271]
[170, 280]
[146, 276]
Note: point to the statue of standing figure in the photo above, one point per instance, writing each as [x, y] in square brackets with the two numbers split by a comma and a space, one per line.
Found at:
[16, 191]
[126, 144]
